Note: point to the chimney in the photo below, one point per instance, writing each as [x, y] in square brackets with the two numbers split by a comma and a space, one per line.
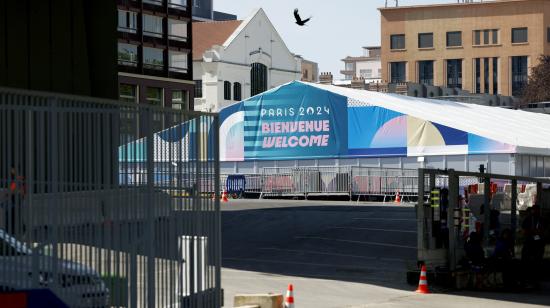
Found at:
[325, 78]
[358, 83]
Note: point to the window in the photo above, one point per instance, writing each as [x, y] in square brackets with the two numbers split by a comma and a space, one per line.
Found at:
[152, 25]
[425, 40]
[258, 79]
[305, 73]
[478, 75]
[237, 91]
[495, 75]
[349, 66]
[519, 75]
[198, 88]
[367, 73]
[426, 72]
[127, 93]
[177, 3]
[127, 54]
[227, 90]
[486, 75]
[379, 72]
[155, 2]
[397, 41]
[520, 35]
[477, 37]
[454, 73]
[127, 21]
[180, 100]
[454, 39]
[397, 72]
[177, 30]
[153, 58]
[177, 61]
[486, 37]
[548, 35]
[154, 96]
[196, 3]
[495, 36]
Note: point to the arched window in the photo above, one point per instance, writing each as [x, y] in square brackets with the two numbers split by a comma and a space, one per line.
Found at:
[258, 79]
[227, 90]
[237, 91]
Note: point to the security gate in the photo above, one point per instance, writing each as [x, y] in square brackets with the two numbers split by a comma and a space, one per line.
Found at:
[108, 204]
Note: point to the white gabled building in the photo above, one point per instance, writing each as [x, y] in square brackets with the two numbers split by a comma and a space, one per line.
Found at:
[234, 60]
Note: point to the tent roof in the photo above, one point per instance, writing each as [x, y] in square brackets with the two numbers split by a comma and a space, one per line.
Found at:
[530, 132]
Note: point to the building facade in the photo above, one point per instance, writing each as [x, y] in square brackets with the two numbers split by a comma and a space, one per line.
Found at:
[59, 46]
[234, 60]
[366, 66]
[310, 70]
[203, 10]
[154, 53]
[480, 47]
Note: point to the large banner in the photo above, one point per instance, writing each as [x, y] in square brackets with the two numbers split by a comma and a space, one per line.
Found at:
[294, 121]
[300, 121]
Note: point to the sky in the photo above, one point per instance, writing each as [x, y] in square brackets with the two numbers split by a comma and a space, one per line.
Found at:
[337, 28]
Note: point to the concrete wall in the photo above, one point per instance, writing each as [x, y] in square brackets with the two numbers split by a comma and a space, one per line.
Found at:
[439, 19]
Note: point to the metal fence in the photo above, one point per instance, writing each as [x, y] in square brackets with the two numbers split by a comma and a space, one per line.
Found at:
[104, 203]
[346, 180]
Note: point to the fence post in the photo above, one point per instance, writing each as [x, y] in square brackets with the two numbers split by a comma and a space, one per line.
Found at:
[513, 214]
[150, 208]
[219, 298]
[486, 209]
[420, 217]
[453, 203]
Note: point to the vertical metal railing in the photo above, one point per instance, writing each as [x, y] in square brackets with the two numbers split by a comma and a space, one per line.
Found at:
[105, 204]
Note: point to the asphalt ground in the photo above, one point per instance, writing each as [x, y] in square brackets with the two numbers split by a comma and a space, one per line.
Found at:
[337, 254]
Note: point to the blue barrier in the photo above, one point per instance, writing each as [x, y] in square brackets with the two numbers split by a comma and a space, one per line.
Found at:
[235, 184]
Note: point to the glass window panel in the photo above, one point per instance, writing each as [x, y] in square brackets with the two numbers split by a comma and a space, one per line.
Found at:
[127, 54]
[198, 88]
[495, 75]
[520, 35]
[477, 37]
[425, 40]
[519, 75]
[258, 78]
[177, 30]
[426, 72]
[127, 93]
[154, 96]
[237, 91]
[349, 67]
[178, 61]
[227, 90]
[398, 72]
[152, 25]
[486, 37]
[486, 75]
[397, 41]
[547, 167]
[177, 3]
[454, 73]
[127, 21]
[454, 39]
[180, 100]
[478, 74]
[153, 58]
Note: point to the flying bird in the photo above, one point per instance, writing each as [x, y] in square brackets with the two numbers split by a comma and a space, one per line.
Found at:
[299, 20]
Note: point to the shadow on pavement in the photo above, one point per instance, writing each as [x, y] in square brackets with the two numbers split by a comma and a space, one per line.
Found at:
[373, 244]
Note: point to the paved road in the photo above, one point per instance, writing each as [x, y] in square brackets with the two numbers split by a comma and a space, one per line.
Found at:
[337, 254]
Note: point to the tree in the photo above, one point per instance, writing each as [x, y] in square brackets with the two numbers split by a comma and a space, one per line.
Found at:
[538, 86]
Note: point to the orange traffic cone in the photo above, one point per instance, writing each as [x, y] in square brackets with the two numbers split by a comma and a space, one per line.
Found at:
[289, 299]
[397, 197]
[423, 282]
[224, 196]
